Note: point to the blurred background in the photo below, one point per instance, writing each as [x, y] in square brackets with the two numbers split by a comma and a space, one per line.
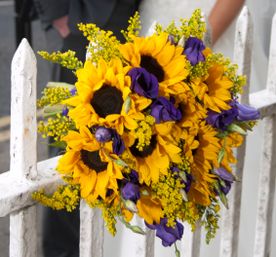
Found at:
[8, 43]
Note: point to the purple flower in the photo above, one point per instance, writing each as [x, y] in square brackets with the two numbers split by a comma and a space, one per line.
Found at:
[168, 235]
[238, 112]
[103, 134]
[193, 50]
[118, 145]
[65, 111]
[73, 91]
[172, 40]
[164, 110]
[133, 176]
[224, 174]
[227, 178]
[143, 83]
[222, 120]
[246, 113]
[131, 192]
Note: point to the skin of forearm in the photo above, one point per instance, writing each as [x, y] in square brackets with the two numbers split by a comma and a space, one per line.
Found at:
[221, 16]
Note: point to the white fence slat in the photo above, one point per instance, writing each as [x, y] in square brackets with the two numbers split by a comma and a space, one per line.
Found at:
[23, 150]
[190, 244]
[23, 234]
[264, 101]
[23, 112]
[266, 194]
[91, 231]
[16, 192]
[231, 217]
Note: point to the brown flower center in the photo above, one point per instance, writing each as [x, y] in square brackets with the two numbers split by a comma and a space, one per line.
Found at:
[107, 100]
[152, 66]
[147, 150]
[93, 160]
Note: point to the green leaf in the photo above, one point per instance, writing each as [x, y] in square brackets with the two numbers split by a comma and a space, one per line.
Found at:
[59, 144]
[176, 251]
[127, 104]
[221, 155]
[236, 128]
[135, 229]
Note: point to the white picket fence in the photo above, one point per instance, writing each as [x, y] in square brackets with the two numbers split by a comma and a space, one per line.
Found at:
[26, 175]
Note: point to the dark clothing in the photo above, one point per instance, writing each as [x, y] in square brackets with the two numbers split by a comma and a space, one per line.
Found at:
[60, 228]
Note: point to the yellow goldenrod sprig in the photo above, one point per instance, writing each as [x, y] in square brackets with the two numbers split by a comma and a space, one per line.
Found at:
[56, 127]
[133, 28]
[195, 26]
[53, 95]
[103, 44]
[210, 220]
[168, 190]
[67, 59]
[66, 197]
[144, 132]
[109, 213]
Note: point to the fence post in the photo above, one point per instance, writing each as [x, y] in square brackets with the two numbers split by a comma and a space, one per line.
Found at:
[268, 165]
[231, 217]
[91, 231]
[23, 151]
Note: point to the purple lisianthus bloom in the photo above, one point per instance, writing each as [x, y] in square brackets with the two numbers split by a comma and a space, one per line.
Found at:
[65, 111]
[144, 83]
[118, 145]
[131, 192]
[164, 110]
[224, 174]
[227, 178]
[73, 91]
[168, 235]
[222, 120]
[193, 50]
[171, 39]
[103, 134]
[133, 176]
[246, 113]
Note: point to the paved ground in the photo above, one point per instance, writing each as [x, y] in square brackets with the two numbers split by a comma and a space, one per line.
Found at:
[7, 49]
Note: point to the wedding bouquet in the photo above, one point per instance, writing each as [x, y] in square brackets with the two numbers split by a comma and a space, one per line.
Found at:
[148, 129]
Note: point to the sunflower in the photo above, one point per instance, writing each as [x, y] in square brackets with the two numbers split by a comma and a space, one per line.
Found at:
[214, 90]
[102, 97]
[154, 159]
[89, 164]
[204, 159]
[228, 143]
[159, 57]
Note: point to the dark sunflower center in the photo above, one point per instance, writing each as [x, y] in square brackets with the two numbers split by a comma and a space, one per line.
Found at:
[147, 149]
[93, 160]
[152, 66]
[107, 100]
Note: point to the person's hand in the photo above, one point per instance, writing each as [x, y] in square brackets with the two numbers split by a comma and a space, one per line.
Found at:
[61, 25]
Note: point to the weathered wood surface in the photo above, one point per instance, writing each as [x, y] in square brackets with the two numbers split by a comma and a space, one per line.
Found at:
[16, 192]
[91, 231]
[231, 217]
[23, 152]
[262, 246]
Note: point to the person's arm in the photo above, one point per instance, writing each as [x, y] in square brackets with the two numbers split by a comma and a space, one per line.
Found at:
[54, 13]
[221, 16]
